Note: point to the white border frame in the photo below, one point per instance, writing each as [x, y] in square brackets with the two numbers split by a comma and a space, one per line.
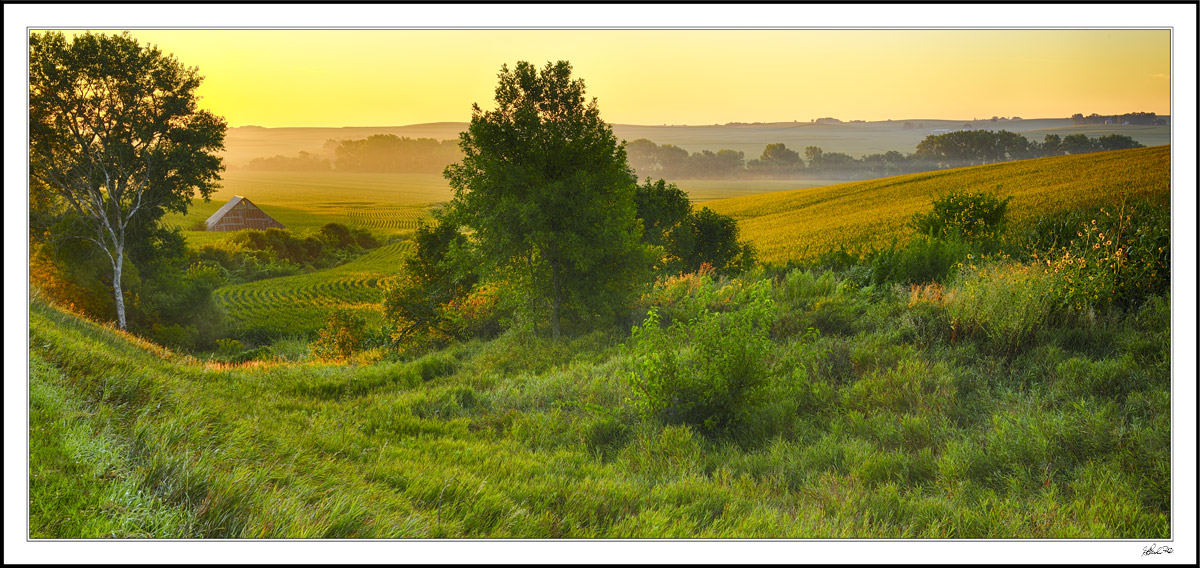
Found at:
[1180, 17]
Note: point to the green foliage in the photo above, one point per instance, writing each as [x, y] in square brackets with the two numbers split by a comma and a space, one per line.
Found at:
[544, 186]
[437, 274]
[707, 372]
[116, 139]
[707, 237]
[342, 335]
[1004, 304]
[973, 217]
[1108, 255]
[251, 254]
[662, 207]
[689, 238]
[922, 260]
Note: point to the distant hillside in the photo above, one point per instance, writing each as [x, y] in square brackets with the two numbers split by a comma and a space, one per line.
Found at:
[801, 223]
[854, 138]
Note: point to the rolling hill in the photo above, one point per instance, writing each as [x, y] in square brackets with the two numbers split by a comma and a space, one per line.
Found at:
[798, 224]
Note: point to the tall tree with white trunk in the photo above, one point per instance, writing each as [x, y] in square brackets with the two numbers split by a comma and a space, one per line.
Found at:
[116, 138]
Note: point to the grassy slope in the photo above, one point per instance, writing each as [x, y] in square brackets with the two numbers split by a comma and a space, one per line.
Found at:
[801, 223]
[525, 437]
[868, 430]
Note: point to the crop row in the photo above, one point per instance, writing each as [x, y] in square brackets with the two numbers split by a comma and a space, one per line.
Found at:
[298, 304]
[402, 219]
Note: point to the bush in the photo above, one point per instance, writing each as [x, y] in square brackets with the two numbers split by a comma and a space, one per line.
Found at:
[341, 337]
[707, 372]
[924, 260]
[1005, 304]
[974, 217]
[1120, 258]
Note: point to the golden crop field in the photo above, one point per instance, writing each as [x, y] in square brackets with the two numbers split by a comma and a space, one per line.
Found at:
[799, 224]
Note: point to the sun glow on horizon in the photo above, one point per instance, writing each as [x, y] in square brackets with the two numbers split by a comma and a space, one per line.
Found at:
[332, 78]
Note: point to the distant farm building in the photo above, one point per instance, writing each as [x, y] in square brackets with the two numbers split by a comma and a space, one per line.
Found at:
[240, 214]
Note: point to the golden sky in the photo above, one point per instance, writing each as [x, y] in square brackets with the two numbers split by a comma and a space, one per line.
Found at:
[278, 78]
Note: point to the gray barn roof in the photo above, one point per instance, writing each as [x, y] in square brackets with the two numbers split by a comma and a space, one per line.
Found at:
[223, 210]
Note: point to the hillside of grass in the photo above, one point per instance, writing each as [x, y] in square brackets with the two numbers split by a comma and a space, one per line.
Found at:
[870, 414]
[800, 224]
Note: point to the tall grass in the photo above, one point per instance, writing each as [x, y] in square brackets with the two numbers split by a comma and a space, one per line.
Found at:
[873, 419]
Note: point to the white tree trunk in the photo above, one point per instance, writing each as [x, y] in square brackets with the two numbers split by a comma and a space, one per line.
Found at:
[118, 295]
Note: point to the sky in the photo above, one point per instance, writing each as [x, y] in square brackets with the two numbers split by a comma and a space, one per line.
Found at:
[378, 77]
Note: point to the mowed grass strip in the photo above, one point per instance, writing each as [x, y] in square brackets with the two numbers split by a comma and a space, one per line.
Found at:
[799, 224]
[298, 305]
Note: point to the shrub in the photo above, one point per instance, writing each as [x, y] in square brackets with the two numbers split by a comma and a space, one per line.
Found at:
[707, 372]
[1004, 303]
[973, 217]
[341, 336]
[1117, 259]
[925, 259]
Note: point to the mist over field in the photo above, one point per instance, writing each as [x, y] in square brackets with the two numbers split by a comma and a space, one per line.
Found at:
[853, 138]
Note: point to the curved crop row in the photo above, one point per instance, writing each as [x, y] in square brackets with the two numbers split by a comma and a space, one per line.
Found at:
[297, 305]
[402, 219]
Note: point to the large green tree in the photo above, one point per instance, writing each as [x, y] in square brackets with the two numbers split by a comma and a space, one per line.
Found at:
[116, 138]
[546, 191]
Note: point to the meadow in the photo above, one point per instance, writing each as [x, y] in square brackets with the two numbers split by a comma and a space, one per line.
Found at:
[976, 407]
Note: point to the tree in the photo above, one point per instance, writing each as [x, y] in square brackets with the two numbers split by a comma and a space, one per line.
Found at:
[661, 206]
[707, 237]
[545, 188]
[116, 139]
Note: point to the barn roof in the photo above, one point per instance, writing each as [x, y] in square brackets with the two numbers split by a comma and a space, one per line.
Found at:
[225, 209]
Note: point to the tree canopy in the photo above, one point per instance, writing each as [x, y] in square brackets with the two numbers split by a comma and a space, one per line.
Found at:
[116, 138]
[546, 191]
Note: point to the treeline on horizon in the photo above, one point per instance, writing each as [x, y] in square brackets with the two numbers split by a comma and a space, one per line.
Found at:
[1130, 118]
[950, 150]
[378, 153]
[388, 153]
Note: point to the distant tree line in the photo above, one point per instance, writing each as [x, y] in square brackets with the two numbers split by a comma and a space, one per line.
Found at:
[378, 153]
[388, 153]
[1133, 118]
[304, 162]
[949, 150]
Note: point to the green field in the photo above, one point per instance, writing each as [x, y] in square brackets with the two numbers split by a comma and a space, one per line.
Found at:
[387, 204]
[297, 305]
[796, 225]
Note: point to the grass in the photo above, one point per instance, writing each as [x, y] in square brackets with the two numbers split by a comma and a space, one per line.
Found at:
[884, 411]
[871, 428]
[799, 224]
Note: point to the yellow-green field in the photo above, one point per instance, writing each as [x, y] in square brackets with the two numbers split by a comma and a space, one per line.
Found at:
[795, 225]
[388, 204]
[297, 305]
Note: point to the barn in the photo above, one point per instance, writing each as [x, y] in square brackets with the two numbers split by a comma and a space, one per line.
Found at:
[240, 214]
